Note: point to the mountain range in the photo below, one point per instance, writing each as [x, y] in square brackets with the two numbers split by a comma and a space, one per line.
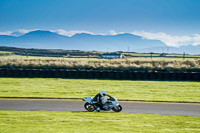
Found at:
[120, 42]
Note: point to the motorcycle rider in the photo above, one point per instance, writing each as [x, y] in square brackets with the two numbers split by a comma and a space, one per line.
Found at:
[97, 100]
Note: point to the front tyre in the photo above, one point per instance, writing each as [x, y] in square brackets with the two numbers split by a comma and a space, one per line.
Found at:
[89, 107]
[119, 108]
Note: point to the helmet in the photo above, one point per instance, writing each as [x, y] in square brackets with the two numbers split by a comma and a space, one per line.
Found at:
[103, 93]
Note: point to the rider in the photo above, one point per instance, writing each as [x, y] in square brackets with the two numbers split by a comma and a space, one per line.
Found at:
[98, 99]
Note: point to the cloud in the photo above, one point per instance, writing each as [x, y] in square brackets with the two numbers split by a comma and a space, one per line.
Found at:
[174, 41]
[113, 32]
[6, 33]
[21, 32]
[70, 32]
[18, 32]
[24, 31]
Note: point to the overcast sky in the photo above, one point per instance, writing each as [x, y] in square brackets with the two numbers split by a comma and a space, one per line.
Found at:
[170, 17]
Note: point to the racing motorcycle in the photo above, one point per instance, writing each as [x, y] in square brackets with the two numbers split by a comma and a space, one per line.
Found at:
[110, 103]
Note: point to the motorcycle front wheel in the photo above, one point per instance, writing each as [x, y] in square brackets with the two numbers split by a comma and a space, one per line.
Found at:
[89, 107]
[119, 108]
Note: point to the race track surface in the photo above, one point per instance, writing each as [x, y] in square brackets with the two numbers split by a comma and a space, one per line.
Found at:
[77, 106]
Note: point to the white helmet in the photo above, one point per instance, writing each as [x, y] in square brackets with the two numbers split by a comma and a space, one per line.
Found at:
[103, 93]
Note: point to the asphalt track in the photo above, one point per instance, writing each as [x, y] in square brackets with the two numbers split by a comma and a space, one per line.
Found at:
[182, 109]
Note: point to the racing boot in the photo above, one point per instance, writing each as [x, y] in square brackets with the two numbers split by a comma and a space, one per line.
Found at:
[98, 109]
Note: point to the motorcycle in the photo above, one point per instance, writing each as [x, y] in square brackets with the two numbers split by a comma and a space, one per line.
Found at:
[108, 104]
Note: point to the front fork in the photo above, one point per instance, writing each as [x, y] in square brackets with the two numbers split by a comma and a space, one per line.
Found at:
[115, 106]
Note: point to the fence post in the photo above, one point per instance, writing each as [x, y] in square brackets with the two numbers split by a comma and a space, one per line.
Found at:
[196, 76]
[181, 76]
[71, 74]
[173, 76]
[96, 74]
[29, 73]
[145, 75]
[9, 73]
[105, 74]
[77, 74]
[131, 75]
[84, 74]
[23, 73]
[2, 72]
[189, 76]
[118, 75]
[160, 75]
[37, 73]
[57, 73]
[16, 73]
[111, 75]
[166, 76]
[153, 75]
[138, 75]
[90, 74]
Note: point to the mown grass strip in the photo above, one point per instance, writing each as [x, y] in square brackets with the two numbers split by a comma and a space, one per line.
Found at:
[174, 91]
[85, 122]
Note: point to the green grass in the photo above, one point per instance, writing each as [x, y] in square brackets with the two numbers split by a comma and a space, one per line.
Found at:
[5, 52]
[129, 64]
[176, 91]
[85, 122]
[140, 54]
[96, 59]
[181, 55]
[155, 54]
[20, 57]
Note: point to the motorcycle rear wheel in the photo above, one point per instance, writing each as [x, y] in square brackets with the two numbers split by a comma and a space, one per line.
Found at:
[119, 108]
[89, 107]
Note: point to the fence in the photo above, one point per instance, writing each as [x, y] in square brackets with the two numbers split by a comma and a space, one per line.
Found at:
[84, 74]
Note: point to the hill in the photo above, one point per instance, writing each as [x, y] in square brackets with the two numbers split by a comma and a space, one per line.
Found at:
[87, 42]
[83, 41]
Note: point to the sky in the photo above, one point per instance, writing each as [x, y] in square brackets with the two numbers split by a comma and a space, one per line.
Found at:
[151, 19]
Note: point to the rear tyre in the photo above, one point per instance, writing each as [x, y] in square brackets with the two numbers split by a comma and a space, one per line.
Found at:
[119, 108]
[89, 107]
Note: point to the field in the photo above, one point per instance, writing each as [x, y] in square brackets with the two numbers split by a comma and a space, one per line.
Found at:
[5, 52]
[85, 122]
[80, 60]
[135, 56]
[52, 121]
[157, 54]
[127, 64]
[173, 91]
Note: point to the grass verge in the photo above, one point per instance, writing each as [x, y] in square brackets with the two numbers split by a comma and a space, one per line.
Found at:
[125, 64]
[85, 122]
[173, 91]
